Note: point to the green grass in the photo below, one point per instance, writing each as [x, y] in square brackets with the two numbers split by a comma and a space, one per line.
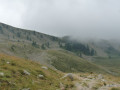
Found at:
[15, 79]
[61, 59]
[112, 64]
[68, 62]
[115, 88]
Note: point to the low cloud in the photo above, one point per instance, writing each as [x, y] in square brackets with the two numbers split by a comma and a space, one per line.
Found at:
[78, 18]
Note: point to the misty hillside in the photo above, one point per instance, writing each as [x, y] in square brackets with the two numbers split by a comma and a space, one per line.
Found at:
[20, 35]
[20, 38]
[59, 45]
[64, 54]
[21, 51]
[40, 40]
[47, 49]
[43, 41]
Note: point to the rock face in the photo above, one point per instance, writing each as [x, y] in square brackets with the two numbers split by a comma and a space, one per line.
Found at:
[69, 75]
[1, 74]
[26, 72]
[43, 67]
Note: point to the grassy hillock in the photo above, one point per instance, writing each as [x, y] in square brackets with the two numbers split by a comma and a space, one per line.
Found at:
[18, 74]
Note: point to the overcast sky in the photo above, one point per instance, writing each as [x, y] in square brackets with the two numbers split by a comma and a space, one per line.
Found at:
[79, 18]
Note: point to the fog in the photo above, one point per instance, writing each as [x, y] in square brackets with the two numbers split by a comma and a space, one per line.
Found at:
[77, 18]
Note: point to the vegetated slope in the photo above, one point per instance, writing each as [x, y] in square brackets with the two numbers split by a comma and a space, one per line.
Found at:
[40, 40]
[77, 47]
[18, 74]
[59, 58]
[112, 64]
[21, 74]
[41, 47]
[111, 58]
[69, 62]
[21, 35]
[35, 46]
[111, 48]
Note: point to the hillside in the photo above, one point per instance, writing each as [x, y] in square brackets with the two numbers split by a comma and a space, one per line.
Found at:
[58, 58]
[60, 53]
[69, 62]
[21, 35]
[45, 49]
[21, 74]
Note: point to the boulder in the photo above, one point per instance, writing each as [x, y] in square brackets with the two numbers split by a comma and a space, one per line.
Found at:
[43, 67]
[26, 72]
[8, 62]
[40, 76]
[1, 74]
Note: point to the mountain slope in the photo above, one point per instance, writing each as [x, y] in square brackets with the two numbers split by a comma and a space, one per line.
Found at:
[69, 62]
[52, 51]
[20, 74]
[21, 35]
[30, 45]
[56, 58]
